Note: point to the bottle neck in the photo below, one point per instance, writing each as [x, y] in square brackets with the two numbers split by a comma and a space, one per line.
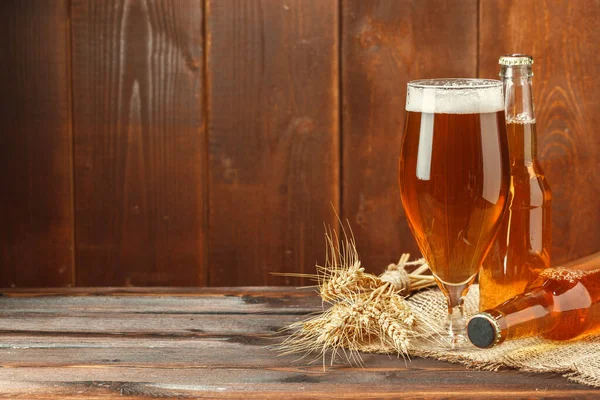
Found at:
[520, 114]
[524, 315]
[518, 92]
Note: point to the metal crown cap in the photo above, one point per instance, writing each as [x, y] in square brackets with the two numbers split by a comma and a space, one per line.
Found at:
[484, 330]
[515, 59]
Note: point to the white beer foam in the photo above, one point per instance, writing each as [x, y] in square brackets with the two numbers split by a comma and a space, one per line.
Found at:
[455, 96]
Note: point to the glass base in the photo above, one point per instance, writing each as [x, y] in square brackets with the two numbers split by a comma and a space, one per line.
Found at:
[448, 340]
[453, 335]
[454, 339]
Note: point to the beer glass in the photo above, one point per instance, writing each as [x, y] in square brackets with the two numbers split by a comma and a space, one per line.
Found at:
[454, 179]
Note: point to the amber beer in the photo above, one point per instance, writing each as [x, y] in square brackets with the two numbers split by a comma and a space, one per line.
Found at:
[454, 175]
[522, 248]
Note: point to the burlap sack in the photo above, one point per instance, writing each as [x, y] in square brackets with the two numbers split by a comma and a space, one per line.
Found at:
[578, 359]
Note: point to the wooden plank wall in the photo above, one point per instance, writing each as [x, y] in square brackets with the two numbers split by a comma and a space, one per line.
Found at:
[139, 146]
[206, 142]
[272, 79]
[36, 199]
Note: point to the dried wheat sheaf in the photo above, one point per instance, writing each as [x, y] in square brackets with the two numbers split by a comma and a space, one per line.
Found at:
[363, 312]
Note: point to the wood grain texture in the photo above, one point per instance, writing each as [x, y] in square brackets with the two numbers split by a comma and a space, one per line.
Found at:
[563, 38]
[36, 238]
[78, 326]
[272, 72]
[238, 291]
[385, 44]
[139, 142]
[206, 302]
[415, 382]
[140, 355]
[128, 391]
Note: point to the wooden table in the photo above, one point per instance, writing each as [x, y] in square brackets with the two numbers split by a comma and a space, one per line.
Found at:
[148, 343]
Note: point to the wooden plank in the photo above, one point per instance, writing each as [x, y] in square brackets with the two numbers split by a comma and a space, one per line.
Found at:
[29, 351]
[386, 43]
[354, 383]
[243, 302]
[563, 38]
[272, 71]
[139, 142]
[36, 239]
[252, 291]
[193, 325]
[218, 353]
[108, 390]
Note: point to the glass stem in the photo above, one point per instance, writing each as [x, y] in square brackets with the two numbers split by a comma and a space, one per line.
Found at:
[456, 323]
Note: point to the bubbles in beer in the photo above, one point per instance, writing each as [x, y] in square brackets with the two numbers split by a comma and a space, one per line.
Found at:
[455, 96]
[564, 274]
[520, 119]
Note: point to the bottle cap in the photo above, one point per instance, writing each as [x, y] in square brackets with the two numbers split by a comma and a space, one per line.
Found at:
[515, 59]
[483, 330]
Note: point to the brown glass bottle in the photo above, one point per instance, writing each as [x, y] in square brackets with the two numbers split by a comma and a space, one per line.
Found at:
[522, 247]
[560, 304]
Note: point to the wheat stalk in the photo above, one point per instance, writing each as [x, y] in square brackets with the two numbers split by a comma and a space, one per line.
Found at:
[367, 312]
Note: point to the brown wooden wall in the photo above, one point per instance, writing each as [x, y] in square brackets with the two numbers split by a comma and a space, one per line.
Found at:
[206, 142]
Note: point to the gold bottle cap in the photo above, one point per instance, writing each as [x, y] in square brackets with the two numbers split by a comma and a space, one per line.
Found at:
[515, 59]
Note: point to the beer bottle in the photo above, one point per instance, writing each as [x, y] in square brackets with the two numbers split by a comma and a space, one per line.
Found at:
[560, 303]
[522, 247]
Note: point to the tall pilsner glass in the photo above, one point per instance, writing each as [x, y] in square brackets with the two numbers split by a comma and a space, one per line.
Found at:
[454, 181]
